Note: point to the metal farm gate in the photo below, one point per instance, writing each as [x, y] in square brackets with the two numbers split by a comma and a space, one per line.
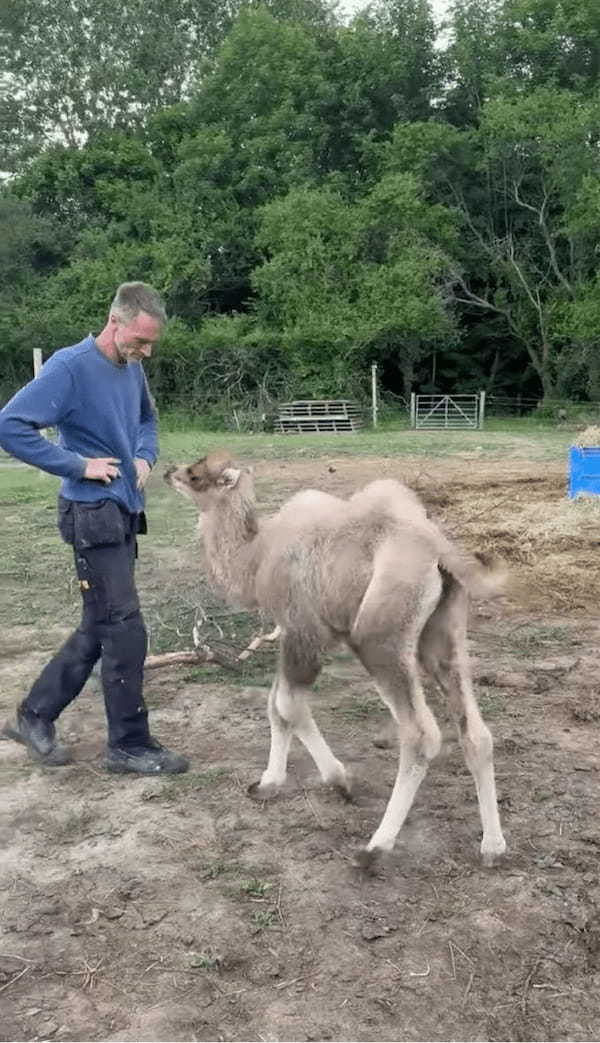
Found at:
[447, 412]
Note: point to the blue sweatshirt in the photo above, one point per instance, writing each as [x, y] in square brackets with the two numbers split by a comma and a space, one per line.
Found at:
[100, 409]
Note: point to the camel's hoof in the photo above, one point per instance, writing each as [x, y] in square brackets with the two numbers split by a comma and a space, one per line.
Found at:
[493, 856]
[344, 791]
[368, 861]
[384, 742]
[343, 785]
[258, 791]
[342, 782]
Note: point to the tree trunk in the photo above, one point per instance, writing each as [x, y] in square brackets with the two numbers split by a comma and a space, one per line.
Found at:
[408, 375]
[491, 380]
[593, 372]
[544, 372]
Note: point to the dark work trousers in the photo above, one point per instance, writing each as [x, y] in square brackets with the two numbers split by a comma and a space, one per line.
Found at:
[103, 537]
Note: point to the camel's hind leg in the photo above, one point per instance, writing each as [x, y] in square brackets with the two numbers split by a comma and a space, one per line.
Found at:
[290, 714]
[443, 652]
[390, 656]
[399, 686]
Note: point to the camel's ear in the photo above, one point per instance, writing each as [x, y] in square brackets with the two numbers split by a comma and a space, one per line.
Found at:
[229, 477]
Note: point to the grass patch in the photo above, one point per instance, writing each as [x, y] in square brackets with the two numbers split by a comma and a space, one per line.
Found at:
[539, 794]
[264, 919]
[35, 571]
[71, 826]
[253, 673]
[205, 961]
[201, 675]
[256, 674]
[359, 709]
[501, 437]
[180, 786]
[255, 888]
[533, 637]
[491, 703]
[215, 870]
[25, 485]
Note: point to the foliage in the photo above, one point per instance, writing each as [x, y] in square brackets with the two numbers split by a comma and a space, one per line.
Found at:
[71, 68]
[310, 195]
[352, 282]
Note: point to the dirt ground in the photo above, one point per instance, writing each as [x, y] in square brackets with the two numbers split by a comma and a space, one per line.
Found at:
[153, 909]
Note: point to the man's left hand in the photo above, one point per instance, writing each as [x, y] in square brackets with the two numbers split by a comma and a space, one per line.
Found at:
[142, 468]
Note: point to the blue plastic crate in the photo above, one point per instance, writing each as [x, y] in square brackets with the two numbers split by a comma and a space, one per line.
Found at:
[584, 471]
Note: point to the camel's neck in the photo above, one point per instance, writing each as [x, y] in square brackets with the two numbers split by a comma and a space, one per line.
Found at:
[231, 543]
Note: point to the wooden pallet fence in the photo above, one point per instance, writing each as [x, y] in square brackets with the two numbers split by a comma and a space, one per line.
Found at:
[320, 416]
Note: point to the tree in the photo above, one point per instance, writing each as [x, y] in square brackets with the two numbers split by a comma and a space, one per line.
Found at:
[257, 131]
[265, 91]
[538, 158]
[472, 60]
[383, 68]
[499, 45]
[349, 193]
[71, 68]
[409, 31]
[30, 247]
[349, 283]
[551, 43]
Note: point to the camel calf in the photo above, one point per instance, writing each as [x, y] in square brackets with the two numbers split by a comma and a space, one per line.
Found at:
[372, 571]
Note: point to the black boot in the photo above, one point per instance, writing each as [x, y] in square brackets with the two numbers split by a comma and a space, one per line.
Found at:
[39, 737]
[152, 759]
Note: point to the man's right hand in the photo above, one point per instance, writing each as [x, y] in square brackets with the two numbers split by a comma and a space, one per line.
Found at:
[102, 469]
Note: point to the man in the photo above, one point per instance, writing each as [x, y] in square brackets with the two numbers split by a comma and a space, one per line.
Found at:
[96, 394]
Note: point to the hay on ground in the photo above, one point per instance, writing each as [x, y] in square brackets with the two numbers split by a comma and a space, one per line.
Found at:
[550, 546]
[588, 439]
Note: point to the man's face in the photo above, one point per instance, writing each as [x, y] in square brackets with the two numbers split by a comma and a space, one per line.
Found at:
[134, 340]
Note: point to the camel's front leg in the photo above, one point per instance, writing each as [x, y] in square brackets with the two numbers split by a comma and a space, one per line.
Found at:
[274, 775]
[289, 714]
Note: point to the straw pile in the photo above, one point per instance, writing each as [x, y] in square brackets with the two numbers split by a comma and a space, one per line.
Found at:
[550, 544]
[531, 531]
[588, 439]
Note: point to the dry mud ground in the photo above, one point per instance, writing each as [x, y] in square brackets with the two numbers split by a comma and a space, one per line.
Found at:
[153, 909]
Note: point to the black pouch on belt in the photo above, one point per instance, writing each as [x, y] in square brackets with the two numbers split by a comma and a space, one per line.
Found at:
[96, 524]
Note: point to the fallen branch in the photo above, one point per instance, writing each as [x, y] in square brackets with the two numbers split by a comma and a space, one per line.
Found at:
[153, 662]
[205, 654]
[14, 979]
[258, 641]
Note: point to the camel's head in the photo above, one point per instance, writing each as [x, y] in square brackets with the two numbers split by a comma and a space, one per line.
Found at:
[209, 479]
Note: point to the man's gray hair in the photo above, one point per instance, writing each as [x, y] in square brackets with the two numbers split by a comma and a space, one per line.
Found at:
[133, 297]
